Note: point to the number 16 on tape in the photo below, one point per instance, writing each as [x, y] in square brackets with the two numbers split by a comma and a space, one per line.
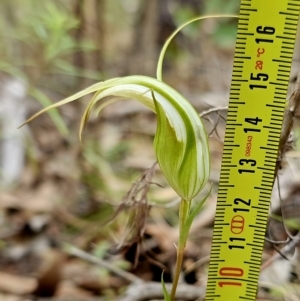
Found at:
[262, 62]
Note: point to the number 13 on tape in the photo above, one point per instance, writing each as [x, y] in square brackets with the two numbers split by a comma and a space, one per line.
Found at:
[262, 63]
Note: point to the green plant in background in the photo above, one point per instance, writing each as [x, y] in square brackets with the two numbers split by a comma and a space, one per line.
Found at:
[38, 40]
[36, 43]
[224, 32]
[180, 141]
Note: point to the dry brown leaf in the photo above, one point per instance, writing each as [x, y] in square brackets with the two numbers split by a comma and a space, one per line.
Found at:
[17, 285]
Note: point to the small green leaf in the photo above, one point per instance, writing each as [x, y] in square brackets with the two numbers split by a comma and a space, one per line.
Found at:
[192, 215]
[167, 296]
[292, 223]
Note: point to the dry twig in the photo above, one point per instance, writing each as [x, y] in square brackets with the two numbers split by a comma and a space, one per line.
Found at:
[153, 290]
[105, 264]
[138, 290]
[288, 122]
[285, 250]
[217, 109]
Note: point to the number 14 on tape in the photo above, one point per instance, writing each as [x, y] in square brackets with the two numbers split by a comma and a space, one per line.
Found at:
[262, 62]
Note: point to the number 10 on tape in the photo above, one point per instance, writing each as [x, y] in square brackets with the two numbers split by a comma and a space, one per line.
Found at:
[260, 77]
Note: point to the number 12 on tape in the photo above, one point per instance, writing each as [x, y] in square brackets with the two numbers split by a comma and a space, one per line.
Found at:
[262, 62]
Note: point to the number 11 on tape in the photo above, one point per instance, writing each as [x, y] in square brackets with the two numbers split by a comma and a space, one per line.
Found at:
[262, 62]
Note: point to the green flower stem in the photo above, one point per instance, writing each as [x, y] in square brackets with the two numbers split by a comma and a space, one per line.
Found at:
[184, 210]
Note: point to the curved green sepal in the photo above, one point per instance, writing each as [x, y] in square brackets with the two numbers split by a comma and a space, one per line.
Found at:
[180, 142]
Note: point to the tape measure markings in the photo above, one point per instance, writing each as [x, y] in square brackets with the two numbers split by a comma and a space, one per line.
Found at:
[261, 68]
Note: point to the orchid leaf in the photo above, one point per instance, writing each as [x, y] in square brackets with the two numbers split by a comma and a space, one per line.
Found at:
[167, 296]
[192, 215]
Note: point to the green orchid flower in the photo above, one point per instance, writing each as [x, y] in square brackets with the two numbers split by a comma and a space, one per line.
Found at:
[180, 142]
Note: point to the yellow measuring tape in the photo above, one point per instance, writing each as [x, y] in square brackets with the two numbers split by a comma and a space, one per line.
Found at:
[262, 62]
